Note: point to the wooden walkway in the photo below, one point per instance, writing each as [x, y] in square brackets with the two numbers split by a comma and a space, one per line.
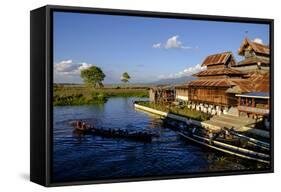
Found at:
[240, 124]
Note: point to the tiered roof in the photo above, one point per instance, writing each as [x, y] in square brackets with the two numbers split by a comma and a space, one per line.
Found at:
[251, 60]
[209, 83]
[255, 83]
[233, 80]
[261, 80]
[243, 85]
[219, 65]
[257, 47]
[220, 71]
[218, 59]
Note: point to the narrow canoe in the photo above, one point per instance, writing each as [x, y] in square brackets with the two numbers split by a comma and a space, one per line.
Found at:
[226, 148]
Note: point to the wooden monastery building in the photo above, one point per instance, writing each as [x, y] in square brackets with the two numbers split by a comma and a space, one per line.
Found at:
[226, 85]
[182, 93]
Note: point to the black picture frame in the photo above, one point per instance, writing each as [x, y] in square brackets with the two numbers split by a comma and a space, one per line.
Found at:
[41, 81]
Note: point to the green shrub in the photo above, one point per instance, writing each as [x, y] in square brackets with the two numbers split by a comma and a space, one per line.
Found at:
[185, 112]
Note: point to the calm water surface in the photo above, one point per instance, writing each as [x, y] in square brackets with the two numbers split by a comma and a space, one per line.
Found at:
[77, 157]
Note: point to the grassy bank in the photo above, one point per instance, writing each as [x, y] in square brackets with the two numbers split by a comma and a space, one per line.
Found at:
[184, 111]
[79, 95]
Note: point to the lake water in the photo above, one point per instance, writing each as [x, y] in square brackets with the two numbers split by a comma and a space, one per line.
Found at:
[77, 157]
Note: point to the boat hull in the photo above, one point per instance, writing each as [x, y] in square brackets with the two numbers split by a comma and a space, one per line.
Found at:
[227, 148]
[144, 137]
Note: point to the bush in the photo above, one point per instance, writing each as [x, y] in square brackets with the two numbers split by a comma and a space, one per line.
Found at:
[78, 99]
[185, 112]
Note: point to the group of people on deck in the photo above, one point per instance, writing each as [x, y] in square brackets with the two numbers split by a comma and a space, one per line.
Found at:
[223, 133]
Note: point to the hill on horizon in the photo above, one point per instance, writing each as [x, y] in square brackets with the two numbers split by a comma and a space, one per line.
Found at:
[173, 81]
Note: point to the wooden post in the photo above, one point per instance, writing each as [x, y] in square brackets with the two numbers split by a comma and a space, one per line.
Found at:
[239, 101]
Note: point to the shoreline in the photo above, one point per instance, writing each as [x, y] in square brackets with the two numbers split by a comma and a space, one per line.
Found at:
[70, 95]
[203, 124]
[168, 115]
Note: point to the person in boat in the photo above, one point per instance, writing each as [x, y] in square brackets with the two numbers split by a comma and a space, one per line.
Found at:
[227, 133]
[193, 130]
[84, 126]
[78, 124]
[211, 137]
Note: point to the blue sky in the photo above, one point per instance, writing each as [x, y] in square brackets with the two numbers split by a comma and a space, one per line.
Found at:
[149, 49]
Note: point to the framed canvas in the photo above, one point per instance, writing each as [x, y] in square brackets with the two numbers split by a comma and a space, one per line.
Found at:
[121, 95]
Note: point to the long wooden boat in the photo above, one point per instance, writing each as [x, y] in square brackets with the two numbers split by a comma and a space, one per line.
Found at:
[229, 149]
[238, 145]
[253, 141]
[112, 133]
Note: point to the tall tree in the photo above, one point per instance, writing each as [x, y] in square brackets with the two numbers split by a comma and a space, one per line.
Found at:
[125, 77]
[93, 76]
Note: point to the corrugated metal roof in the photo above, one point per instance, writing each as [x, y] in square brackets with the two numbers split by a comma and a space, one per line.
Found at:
[181, 86]
[162, 87]
[254, 82]
[257, 47]
[261, 80]
[210, 83]
[255, 94]
[243, 85]
[224, 71]
[220, 58]
[253, 60]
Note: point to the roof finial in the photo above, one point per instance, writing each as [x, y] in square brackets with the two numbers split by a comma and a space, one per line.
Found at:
[246, 34]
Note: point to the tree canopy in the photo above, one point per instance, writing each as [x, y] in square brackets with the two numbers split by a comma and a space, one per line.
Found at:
[93, 76]
[125, 77]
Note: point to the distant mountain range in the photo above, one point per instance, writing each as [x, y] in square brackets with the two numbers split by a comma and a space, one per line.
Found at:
[174, 81]
[168, 81]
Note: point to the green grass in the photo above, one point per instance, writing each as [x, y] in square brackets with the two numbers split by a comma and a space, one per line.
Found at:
[80, 95]
[183, 111]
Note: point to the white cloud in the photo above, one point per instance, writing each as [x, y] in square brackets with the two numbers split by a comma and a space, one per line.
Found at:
[186, 72]
[174, 42]
[258, 40]
[68, 67]
[84, 66]
[156, 45]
